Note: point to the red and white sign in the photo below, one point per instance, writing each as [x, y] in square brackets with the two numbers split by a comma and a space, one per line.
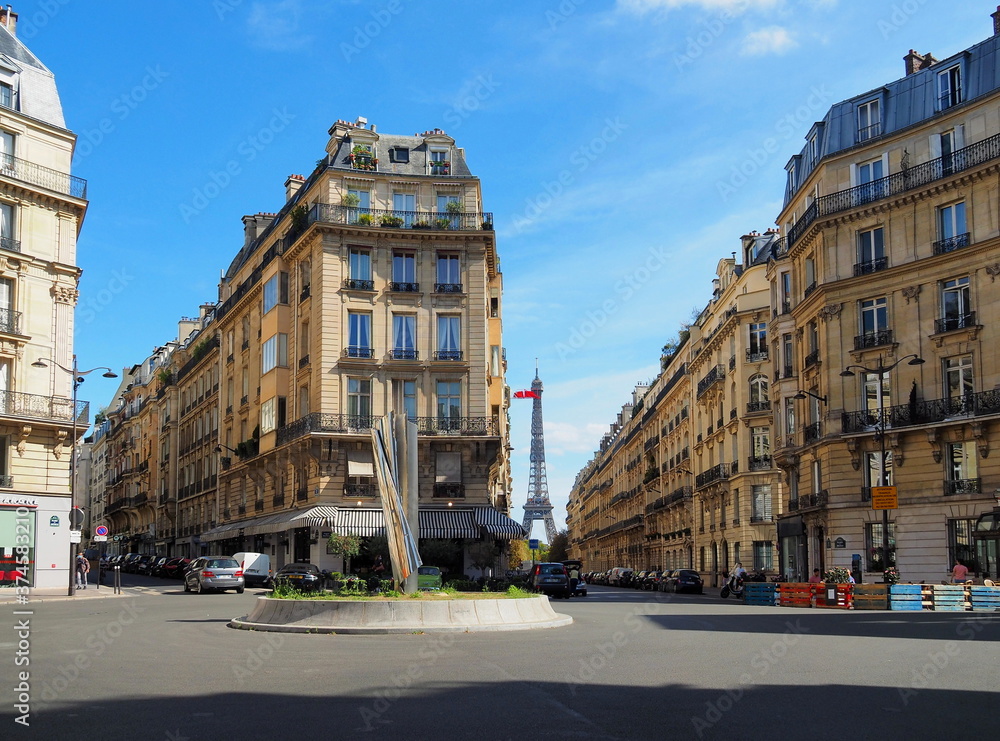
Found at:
[101, 530]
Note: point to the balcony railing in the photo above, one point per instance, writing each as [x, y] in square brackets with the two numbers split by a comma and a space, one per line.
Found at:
[448, 355]
[811, 433]
[456, 425]
[869, 132]
[17, 404]
[716, 374]
[401, 353]
[10, 244]
[404, 287]
[873, 339]
[447, 288]
[759, 463]
[900, 182]
[354, 351]
[10, 321]
[757, 356]
[358, 284]
[923, 412]
[963, 486]
[814, 500]
[326, 213]
[45, 177]
[319, 422]
[811, 359]
[810, 289]
[951, 323]
[944, 246]
[871, 266]
[756, 407]
[716, 473]
[449, 491]
[360, 491]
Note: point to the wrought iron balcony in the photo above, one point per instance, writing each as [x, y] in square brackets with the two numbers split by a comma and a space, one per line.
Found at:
[278, 500]
[45, 177]
[871, 266]
[355, 351]
[258, 506]
[810, 289]
[951, 323]
[814, 500]
[732, 363]
[17, 404]
[715, 375]
[304, 293]
[448, 355]
[944, 246]
[10, 321]
[793, 505]
[319, 422]
[356, 284]
[757, 356]
[303, 361]
[360, 491]
[326, 213]
[759, 463]
[404, 354]
[923, 412]
[6, 481]
[811, 359]
[963, 486]
[447, 288]
[404, 287]
[301, 495]
[877, 338]
[449, 491]
[900, 182]
[716, 473]
[10, 244]
[811, 433]
[757, 407]
[869, 132]
[459, 426]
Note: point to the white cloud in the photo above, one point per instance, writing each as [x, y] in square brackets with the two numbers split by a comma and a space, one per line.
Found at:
[732, 6]
[275, 26]
[770, 40]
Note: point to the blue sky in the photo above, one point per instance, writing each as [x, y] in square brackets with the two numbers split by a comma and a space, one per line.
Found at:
[623, 147]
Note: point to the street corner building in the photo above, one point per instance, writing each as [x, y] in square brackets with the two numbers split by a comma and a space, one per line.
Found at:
[375, 288]
[42, 207]
[854, 347]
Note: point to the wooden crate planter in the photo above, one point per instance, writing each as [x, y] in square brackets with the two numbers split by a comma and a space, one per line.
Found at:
[796, 594]
[948, 597]
[871, 596]
[756, 593]
[984, 598]
[845, 596]
[906, 597]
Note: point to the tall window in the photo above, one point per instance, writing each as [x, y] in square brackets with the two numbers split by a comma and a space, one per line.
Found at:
[873, 468]
[359, 400]
[6, 95]
[404, 271]
[759, 401]
[359, 325]
[950, 87]
[869, 120]
[303, 341]
[956, 304]
[789, 416]
[439, 162]
[757, 350]
[405, 205]
[449, 400]
[763, 555]
[274, 353]
[404, 343]
[948, 147]
[873, 546]
[760, 448]
[760, 503]
[361, 270]
[871, 251]
[364, 197]
[786, 293]
[303, 401]
[6, 150]
[275, 291]
[958, 378]
[876, 392]
[817, 476]
[963, 469]
[951, 224]
[874, 316]
[444, 206]
[449, 274]
[962, 544]
[449, 338]
[787, 355]
[8, 319]
[7, 227]
[406, 396]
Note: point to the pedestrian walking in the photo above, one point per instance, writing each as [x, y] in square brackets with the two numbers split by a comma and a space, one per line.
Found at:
[82, 569]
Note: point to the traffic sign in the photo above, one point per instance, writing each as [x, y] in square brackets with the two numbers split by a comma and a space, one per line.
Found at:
[533, 544]
[101, 530]
[75, 536]
[76, 518]
[884, 497]
[100, 538]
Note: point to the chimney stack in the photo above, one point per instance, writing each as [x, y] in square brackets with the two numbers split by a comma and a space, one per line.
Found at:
[9, 19]
[292, 186]
[914, 62]
[996, 21]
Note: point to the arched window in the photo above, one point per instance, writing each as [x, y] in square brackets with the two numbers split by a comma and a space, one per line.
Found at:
[759, 390]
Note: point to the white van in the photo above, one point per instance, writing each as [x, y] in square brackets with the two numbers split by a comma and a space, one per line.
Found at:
[256, 568]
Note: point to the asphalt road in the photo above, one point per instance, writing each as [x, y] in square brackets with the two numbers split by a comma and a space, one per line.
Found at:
[162, 665]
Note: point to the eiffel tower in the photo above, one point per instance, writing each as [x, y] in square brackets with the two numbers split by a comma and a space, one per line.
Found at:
[538, 506]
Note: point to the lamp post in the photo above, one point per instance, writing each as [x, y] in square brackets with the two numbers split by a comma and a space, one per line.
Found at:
[78, 378]
[881, 370]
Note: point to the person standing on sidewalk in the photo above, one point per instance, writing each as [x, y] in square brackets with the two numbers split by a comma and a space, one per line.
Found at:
[82, 569]
[959, 572]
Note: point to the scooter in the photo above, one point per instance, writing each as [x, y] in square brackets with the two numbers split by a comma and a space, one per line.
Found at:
[733, 586]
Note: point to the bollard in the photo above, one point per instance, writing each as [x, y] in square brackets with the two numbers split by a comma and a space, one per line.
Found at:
[118, 579]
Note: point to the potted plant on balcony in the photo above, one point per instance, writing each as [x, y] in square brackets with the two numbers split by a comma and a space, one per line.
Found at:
[365, 219]
[487, 226]
[442, 223]
[351, 200]
[454, 207]
[422, 224]
[392, 221]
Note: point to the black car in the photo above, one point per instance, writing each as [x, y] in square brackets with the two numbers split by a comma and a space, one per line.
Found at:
[150, 567]
[683, 580]
[652, 580]
[302, 576]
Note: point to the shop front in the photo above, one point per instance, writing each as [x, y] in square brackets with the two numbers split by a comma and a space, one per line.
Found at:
[34, 541]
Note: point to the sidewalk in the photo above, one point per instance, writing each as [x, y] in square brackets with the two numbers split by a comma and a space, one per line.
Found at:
[58, 594]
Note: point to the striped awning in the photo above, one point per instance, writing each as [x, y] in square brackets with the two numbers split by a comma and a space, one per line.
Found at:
[232, 529]
[363, 522]
[319, 516]
[499, 524]
[447, 523]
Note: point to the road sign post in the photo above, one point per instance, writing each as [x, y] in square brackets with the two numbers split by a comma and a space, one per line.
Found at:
[884, 497]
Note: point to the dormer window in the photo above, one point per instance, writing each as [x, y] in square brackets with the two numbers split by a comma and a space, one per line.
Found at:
[362, 157]
[950, 87]
[869, 120]
[439, 163]
[6, 95]
[399, 154]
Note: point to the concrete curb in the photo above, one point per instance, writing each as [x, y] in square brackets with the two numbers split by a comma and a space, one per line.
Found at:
[353, 617]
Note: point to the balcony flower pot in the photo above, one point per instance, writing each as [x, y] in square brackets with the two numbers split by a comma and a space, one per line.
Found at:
[442, 223]
[421, 225]
[392, 221]
[365, 219]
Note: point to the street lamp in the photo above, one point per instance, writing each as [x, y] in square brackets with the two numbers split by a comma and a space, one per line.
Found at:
[800, 394]
[881, 370]
[78, 378]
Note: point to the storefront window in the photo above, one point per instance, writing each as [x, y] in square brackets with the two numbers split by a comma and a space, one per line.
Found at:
[17, 546]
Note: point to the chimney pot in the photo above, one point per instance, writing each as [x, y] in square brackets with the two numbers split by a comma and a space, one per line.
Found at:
[996, 21]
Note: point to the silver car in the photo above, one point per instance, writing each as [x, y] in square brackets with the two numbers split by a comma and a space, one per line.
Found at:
[214, 572]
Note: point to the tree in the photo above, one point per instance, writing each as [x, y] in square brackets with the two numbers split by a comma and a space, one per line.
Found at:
[483, 554]
[519, 553]
[347, 546]
[377, 545]
[439, 551]
[559, 548]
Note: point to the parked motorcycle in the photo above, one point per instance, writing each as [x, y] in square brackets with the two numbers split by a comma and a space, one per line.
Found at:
[733, 586]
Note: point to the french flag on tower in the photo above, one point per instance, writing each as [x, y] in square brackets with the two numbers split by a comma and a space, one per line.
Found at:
[526, 395]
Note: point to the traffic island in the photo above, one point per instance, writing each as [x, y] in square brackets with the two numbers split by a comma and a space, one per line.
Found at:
[402, 615]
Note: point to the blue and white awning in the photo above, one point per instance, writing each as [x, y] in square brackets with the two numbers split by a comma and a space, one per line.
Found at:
[498, 524]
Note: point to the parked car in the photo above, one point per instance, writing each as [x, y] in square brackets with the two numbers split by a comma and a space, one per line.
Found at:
[150, 566]
[128, 560]
[653, 579]
[684, 580]
[214, 572]
[428, 577]
[304, 576]
[256, 568]
[175, 567]
[551, 579]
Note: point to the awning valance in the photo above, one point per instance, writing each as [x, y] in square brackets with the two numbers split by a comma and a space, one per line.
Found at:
[447, 523]
[363, 522]
[498, 524]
